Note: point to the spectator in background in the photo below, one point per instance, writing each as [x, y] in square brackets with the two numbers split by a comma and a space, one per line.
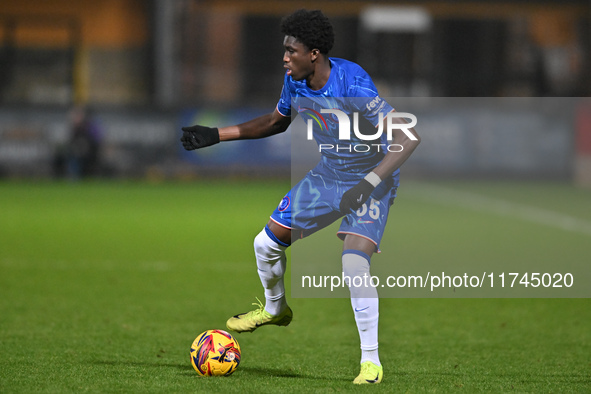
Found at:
[83, 148]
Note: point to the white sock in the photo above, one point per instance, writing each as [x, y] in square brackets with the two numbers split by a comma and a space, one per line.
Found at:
[370, 355]
[271, 263]
[365, 302]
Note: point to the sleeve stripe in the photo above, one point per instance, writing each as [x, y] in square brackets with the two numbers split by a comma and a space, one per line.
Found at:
[377, 124]
[277, 108]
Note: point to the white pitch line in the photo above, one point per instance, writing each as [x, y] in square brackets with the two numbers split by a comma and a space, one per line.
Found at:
[478, 202]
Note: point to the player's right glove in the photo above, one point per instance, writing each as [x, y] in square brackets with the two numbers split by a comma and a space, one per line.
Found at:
[195, 137]
[354, 198]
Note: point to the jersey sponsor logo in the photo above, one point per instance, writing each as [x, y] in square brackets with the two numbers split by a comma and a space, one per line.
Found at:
[373, 103]
[284, 204]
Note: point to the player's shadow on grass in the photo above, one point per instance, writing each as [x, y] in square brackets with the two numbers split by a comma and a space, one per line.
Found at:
[185, 369]
[281, 373]
[162, 364]
[271, 372]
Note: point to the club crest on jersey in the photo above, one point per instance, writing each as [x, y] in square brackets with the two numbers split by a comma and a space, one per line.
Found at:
[284, 204]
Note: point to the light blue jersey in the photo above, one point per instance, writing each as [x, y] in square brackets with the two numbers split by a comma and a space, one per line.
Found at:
[351, 90]
[314, 202]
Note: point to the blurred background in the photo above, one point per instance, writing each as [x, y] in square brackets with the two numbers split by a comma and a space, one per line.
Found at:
[100, 88]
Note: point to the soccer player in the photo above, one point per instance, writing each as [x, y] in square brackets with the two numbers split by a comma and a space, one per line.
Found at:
[339, 186]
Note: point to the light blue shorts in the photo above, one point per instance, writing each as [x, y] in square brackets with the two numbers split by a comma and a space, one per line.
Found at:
[313, 204]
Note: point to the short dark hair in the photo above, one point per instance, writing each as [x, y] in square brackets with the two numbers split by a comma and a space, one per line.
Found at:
[311, 28]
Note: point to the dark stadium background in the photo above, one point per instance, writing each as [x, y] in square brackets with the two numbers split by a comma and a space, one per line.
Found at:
[107, 277]
[145, 68]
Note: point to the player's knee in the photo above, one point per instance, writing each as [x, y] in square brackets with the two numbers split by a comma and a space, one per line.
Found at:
[355, 264]
[266, 244]
[260, 242]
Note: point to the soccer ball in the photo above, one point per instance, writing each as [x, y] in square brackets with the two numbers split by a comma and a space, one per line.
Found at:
[215, 353]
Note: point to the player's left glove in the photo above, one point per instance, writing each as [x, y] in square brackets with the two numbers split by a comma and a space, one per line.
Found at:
[195, 137]
[354, 198]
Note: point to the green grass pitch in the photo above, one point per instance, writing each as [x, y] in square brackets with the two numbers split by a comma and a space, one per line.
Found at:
[104, 286]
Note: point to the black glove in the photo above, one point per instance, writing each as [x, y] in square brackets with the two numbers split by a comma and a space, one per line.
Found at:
[195, 137]
[354, 198]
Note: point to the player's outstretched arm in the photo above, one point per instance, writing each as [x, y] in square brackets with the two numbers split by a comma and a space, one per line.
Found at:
[354, 198]
[195, 137]
[261, 127]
